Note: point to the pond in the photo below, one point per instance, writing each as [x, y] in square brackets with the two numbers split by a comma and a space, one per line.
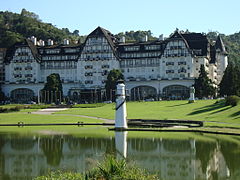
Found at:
[28, 156]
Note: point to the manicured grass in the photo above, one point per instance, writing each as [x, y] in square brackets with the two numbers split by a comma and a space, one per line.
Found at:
[24, 116]
[204, 110]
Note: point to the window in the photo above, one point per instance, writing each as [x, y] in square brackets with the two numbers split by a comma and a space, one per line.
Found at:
[169, 63]
[88, 67]
[88, 82]
[182, 63]
[105, 66]
[131, 48]
[169, 71]
[89, 74]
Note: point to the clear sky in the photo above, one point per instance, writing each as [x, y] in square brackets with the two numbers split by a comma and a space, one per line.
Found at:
[161, 17]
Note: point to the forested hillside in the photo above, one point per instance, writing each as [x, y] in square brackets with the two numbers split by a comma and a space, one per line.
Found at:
[15, 27]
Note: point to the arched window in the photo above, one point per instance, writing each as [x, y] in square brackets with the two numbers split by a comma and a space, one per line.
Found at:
[175, 92]
[22, 95]
[143, 93]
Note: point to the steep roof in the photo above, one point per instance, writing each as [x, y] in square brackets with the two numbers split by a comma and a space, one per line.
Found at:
[197, 41]
[219, 44]
[112, 40]
[193, 41]
[24, 43]
[212, 54]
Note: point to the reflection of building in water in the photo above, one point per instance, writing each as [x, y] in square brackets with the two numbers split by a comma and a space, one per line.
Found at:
[217, 167]
[177, 159]
[25, 158]
[171, 158]
[28, 158]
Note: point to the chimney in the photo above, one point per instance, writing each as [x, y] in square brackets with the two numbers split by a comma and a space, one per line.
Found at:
[145, 38]
[34, 40]
[66, 42]
[50, 42]
[123, 39]
[160, 37]
[41, 42]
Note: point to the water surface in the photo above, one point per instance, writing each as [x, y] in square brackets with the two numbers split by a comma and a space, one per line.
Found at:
[25, 157]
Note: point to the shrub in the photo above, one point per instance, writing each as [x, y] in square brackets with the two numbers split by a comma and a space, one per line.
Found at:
[3, 110]
[16, 108]
[38, 106]
[232, 100]
[11, 109]
[109, 169]
[60, 175]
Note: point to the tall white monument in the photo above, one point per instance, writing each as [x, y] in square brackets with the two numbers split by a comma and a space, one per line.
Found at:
[121, 111]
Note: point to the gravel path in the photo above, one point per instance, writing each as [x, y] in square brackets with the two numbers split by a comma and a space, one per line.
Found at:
[50, 111]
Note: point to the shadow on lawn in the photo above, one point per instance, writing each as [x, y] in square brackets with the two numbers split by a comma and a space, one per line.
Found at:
[221, 110]
[209, 108]
[235, 114]
[178, 105]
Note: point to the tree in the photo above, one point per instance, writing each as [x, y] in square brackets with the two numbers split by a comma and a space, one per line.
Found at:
[26, 13]
[52, 91]
[76, 32]
[111, 83]
[230, 84]
[203, 85]
[2, 96]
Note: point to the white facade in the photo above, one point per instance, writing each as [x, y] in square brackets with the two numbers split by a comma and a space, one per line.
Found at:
[152, 69]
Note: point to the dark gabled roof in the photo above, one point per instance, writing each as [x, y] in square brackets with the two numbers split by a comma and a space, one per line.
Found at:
[120, 47]
[24, 43]
[61, 47]
[212, 54]
[33, 49]
[112, 40]
[193, 41]
[219, 45]
[197, 41]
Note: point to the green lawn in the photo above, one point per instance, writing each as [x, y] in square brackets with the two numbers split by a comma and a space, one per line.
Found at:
[205, 110]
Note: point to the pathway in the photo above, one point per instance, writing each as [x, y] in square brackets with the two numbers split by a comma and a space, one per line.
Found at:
[50, 111]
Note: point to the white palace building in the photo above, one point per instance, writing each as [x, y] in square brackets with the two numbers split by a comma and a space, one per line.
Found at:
[164, 68]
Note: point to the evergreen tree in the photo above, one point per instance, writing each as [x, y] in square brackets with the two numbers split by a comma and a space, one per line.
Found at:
[112, 78]
[52, 91]
[2, 96]
[203, 85]
[230, 84]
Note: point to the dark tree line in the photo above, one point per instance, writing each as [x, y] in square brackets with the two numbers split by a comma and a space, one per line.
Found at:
[230, 84]
[203, 85]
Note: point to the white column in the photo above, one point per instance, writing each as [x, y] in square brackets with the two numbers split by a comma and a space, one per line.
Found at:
[121, 143]
[192, 94]
[121, 111]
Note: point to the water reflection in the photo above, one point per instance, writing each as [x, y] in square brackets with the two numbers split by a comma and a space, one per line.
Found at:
[172, 159]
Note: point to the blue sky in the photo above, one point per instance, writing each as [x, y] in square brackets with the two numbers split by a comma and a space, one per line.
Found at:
[161, 17]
